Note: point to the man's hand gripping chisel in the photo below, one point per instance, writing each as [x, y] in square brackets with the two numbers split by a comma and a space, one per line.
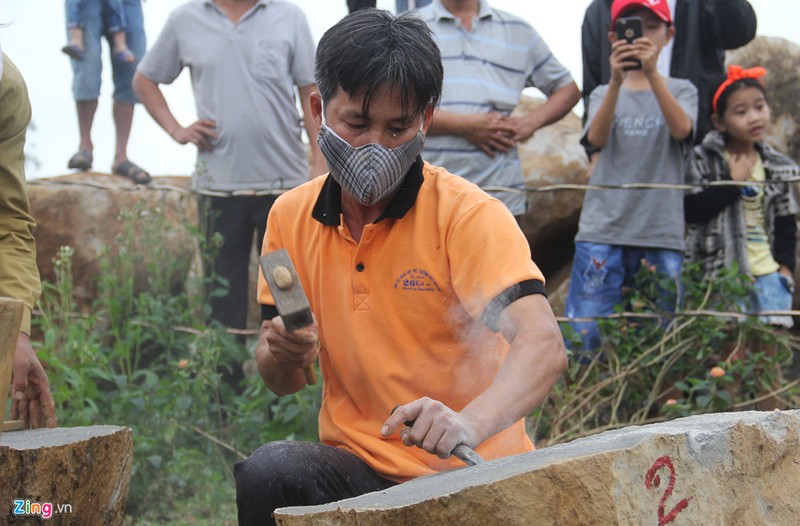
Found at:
[462, 452]
[290, 298]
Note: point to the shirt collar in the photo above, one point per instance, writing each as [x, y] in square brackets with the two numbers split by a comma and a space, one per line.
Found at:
[259, 3]
[441, 12]
[328, 208]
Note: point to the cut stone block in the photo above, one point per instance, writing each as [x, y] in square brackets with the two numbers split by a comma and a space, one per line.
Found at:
[83, 472]
[718, 469]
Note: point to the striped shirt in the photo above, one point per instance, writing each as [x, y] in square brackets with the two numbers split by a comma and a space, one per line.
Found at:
[485, 70]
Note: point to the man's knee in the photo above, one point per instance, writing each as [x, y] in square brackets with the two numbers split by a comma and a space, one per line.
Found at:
[268, 479]
[269, 468]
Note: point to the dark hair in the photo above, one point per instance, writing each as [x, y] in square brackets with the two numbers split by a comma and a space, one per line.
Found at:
[722, 102]
[372, 49]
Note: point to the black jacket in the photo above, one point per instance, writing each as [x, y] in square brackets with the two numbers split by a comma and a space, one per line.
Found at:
[704, 29]
[355, 5]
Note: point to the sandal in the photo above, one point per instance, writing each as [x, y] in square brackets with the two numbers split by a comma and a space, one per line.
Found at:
[133, 172]
[126, 55]
[81, 160]
[74, 52]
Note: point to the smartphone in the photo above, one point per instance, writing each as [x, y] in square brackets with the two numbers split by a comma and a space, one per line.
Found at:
[630, 28]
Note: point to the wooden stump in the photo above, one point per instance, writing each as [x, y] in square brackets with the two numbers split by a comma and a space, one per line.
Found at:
[72, 476]
[10, 318]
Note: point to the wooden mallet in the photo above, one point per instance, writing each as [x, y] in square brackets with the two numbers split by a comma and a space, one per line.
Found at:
[290, 298]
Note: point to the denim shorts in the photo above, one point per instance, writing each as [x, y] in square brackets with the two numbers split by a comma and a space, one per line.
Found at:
[773, 292]
[599, 272]
[86, 72]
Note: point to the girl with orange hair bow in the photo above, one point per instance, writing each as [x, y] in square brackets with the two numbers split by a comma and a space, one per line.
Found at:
[750, 225]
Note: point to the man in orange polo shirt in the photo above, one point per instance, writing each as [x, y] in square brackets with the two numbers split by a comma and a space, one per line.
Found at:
[422, 286]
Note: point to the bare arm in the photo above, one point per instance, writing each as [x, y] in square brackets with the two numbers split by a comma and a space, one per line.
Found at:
[554, 109]
[680, 125]
[535, 361]
[281, 355]
[317, 164]
[600, 129]
[200, 133]
[31, 401]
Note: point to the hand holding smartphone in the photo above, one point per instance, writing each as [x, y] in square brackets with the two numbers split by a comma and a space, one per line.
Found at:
[630, 28]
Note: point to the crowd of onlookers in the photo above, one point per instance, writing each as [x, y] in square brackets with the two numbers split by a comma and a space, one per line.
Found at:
[660, 108]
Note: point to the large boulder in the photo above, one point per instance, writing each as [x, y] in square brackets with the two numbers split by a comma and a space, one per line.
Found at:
[81, 474]
[719, 469]
[83, 211]
[552, 156]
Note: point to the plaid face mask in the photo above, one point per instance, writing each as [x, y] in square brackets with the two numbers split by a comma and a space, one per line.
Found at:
[371, 172]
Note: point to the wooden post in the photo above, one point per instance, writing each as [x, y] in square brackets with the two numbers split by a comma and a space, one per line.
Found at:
[10, 319]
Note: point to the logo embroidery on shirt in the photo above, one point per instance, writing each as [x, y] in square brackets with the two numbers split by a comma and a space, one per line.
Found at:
[417, 280]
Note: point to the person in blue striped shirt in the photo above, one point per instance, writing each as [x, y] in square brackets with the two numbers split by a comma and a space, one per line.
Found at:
[489, 57]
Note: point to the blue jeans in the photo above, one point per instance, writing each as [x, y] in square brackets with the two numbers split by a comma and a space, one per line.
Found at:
[402, 5]
[86, 72]
[772, 292]
[599, 272]
[114, 16]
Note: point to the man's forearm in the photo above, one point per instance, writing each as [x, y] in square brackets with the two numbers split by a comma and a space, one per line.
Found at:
[535, 361]
[279, 379]
[152, 98]
[449, 123]
[557, 105]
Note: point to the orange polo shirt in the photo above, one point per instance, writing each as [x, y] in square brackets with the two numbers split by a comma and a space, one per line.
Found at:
[405, 312]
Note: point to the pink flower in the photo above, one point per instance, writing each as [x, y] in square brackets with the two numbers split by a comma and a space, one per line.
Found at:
[183, 363]
[717, 372]
[671, 401]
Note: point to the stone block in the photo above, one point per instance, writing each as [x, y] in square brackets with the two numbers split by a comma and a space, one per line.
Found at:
[82, 473]
[717, 469]
[82, 210]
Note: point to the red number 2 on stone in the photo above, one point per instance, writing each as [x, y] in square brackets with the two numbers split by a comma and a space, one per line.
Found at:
[651, 480]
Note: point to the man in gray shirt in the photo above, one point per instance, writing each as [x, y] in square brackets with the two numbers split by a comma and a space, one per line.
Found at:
[246, 57]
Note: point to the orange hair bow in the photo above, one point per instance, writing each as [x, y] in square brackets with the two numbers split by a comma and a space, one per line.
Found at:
[737, 73]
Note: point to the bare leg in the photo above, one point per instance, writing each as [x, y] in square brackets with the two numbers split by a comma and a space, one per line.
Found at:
[76, 37]
[120, 47]
[123, 119]
[86, 111]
